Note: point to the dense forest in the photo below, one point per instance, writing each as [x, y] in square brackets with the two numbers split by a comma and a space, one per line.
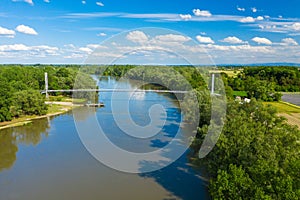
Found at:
[264, 83]
[20, 88]
[256, 156]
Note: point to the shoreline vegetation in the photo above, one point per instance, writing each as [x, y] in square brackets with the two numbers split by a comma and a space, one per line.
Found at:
[290, 111]
[55, 108]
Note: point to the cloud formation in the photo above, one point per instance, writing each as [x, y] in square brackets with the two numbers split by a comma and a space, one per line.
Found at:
[247, 20]
[98, 3]
[206, 40]
[26, 30]
[233, 40]
[201, 13]
[289, 41]
[260, 18]
[185, 17]
[261, 40]
[102, 34]
[26, 1]
[296, 26]
[240, 9]
[172, 38]
[7, 32]
[137, 37]
[254, 9]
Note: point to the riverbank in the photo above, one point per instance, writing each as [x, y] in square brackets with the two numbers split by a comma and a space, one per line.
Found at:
[55, 108]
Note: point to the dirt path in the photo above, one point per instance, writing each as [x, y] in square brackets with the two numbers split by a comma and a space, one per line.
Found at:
[293, 118]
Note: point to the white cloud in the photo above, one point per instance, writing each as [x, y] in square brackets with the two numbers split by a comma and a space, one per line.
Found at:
[260, 18]
[296, 26]
[47, 1]
[86, 50]
[185, 17]
[158, 17]
[254, 10]
[201, 13]
[289, 41]
[69, 46]
[83, 2]
[261, 40]
[137, 37]
[6, 32]
[29, 2]
[172, 38]
[233, 40]
[14, 47]
[95, 46]
[22, 47]
[26, 30]
[247, 20]
[203, 39]
[99, 4]
[287, 26]
[89, 15]
[240, 9]
[26, 1]
[102, 34]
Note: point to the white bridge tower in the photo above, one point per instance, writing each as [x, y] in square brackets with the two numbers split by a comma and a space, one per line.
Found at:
[46, 85]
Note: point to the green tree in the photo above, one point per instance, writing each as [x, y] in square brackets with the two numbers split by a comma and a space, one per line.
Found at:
[29, 102]
[263, 145]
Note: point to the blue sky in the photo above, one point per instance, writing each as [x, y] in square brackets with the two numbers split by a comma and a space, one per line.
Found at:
[230, 31]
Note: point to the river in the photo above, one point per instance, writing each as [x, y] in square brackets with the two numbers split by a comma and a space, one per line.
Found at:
[47, 160]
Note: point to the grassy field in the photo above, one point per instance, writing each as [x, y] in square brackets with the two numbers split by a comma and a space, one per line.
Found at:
[66, 99]
[240, 93]
[289, 111]
[230, 73]
[283, 107]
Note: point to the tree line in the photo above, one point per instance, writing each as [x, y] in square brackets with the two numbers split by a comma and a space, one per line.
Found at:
[21, 86]
[264, 83]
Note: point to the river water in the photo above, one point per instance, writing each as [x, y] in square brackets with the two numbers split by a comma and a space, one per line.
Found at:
[46, 160]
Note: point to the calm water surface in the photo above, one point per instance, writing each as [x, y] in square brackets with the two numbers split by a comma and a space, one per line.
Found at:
[46, 160]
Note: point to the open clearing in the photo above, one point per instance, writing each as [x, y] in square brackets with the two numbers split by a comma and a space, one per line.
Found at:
[230, 73]
[289, 111]
[284, 107]
[293, 118]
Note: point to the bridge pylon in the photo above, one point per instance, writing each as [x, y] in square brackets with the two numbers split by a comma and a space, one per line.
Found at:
[46, 85]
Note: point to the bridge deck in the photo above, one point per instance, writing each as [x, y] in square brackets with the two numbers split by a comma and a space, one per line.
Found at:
[117, 90]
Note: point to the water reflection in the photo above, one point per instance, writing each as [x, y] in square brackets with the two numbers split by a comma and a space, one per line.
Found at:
[8, 149]
[11, 138]
[179, 179]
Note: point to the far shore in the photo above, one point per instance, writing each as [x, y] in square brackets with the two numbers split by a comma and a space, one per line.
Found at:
[60, 108]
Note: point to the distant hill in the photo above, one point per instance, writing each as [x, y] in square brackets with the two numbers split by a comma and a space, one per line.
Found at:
[263, 64]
